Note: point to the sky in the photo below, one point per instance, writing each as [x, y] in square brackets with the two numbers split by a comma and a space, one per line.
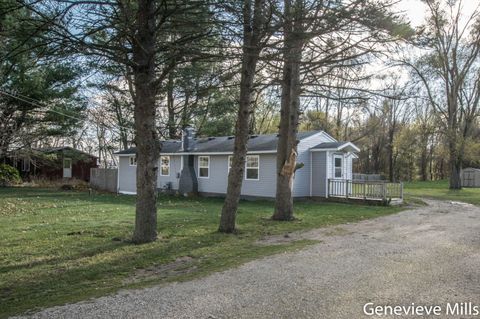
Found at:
[415, 9]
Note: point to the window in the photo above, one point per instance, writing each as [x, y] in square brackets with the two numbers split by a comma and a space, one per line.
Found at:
[26, 165]
[133, 161]
[252, 167]
[67, 163]
[338, 161]
[164, 165]
[203, 166]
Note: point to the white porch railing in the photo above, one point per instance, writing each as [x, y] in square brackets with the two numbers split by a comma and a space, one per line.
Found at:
[372, 190]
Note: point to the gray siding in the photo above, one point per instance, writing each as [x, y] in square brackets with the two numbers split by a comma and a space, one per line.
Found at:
[127, 180]
[218, 177]
[319, 174]
[127, 175]
[301, 184]
[175, 170]
[317, 169]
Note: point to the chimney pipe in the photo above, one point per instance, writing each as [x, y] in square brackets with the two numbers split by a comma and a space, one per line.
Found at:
[188, 139]
[188, 184]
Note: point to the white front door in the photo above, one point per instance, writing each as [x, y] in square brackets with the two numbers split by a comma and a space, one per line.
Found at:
[67, 167]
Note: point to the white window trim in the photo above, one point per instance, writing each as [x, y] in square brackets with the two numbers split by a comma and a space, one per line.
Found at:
[161, 163]
[335, 156]
[228, 163]
[130, 160]
[258, 168]
[208, 167]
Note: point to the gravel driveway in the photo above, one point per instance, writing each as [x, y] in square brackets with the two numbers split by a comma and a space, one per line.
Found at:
[428, 255]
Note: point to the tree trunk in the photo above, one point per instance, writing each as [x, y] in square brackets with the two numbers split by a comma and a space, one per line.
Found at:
[123, 133]
[455, 165]
[431, 163]
[455, 169]
[146, 135]
[442, 168]
[172, 128]
[391, 135]
[251, 52]
[289, 113]
[424, 163]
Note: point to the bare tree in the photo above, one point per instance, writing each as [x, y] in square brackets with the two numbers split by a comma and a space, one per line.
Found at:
[450, 72]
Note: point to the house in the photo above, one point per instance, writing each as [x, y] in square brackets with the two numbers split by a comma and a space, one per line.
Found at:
[201, 165]
[53, 163]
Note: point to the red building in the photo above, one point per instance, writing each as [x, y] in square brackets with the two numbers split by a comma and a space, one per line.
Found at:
[54, 163]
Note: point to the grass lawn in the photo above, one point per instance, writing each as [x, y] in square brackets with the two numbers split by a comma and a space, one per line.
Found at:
[439, 190]
[65, 246]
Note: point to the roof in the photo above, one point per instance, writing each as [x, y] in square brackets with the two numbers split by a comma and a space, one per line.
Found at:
[170, 146]
[48, 150]
[329, 145]
[224, 144]
[337, 146]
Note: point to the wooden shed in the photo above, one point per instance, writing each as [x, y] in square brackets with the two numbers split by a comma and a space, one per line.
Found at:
[54, 163]
[471, 177]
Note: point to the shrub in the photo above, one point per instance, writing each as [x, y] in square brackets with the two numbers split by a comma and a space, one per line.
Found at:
[8, 175]
[44, 182]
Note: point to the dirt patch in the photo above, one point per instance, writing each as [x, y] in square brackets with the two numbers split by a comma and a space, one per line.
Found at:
[338, 231]
[279, 239]
[296, 236]
[181, 265]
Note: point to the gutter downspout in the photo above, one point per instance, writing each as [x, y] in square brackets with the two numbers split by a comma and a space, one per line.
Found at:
[327, 160]
[118, 176]
[311, 173]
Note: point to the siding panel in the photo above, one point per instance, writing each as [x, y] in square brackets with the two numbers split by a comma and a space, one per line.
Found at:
[301, 184]
[319, 173]
[218, 177]
[175, 170]
[127, 176]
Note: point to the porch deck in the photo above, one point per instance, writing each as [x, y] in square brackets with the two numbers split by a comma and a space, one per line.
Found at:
[381, 191]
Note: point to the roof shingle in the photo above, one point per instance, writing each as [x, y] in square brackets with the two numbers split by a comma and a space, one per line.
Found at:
[223, 144]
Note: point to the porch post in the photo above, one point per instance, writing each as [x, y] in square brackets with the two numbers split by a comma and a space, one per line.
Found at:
[328, 187]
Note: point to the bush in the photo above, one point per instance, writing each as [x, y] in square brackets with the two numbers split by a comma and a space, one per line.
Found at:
[8, 175]
[43, 182]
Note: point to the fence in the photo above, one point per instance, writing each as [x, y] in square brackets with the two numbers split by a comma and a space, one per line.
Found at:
[367, 177]
[104, 179]
[376, 190]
